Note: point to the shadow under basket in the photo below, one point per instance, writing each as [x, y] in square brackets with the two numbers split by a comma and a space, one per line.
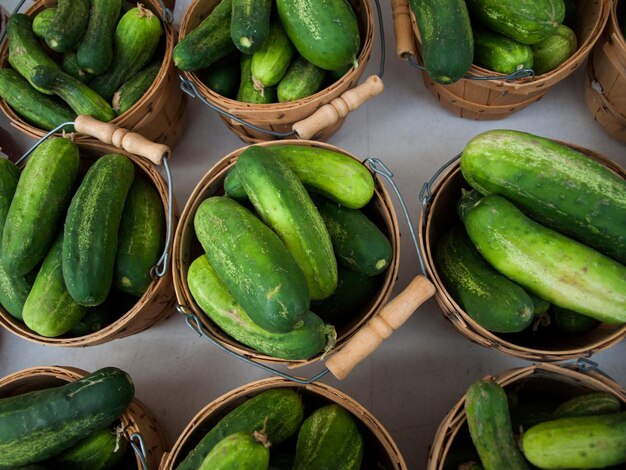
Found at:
[439, 216]
[380, 451]
[136, 419]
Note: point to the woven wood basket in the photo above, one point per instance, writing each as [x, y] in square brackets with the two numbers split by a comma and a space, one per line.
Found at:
[136, 419]
[161, 113]
[308, 117]
[537, 380]
[605, 80]
[380, 450]
[438, 217]
[496, 99]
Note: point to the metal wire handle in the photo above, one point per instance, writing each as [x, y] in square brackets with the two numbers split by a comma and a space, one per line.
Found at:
[136, 442]
[587, 365]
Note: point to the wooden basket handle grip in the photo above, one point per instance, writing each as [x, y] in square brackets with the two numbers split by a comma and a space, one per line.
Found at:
[121, 138]
[405, 42]
[338, 108]
[367, 339]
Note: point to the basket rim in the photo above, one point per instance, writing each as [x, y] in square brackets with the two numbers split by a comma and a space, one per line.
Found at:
[614, 26]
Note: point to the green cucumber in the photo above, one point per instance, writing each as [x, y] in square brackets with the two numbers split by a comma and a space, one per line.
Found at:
[580, 442]
[224, 76]
[209, 42]
[540, 306]
[271, 60]
[589, 404]
[279, 411]
[70, 66]
[95, 51]
[41, 199]
[490, 426]
[132, 90]
[446, 36]
[249, 92]
[91, 229]
[324, 32]
[38, 425]
[213, 297]
[250, 24]
[301, 80]
[239, 450]
[42, 21]
[544, 262]
[491, 299]
[246, 255]
[571, 323]
[556, 185]
[283, 204]
[329, 438]
[102, 450]
[499, 53]
[95, 319]
[554, 50]
[68, 25]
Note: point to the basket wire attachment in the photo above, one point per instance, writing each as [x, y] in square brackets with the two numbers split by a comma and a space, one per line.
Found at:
[139, 447]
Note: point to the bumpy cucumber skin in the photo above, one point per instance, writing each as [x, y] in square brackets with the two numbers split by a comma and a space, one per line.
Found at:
[571, 323]
[556, 185]
[491, 299]
[224, 76]
[245, 253]
[285, 206]
[239, 450]
[250, 24]
[100, 451]
[250, 93]
[68, 25]
[325, 32]
[213, 298]
[42, 20]
[70, 66]
[578, 442]
[95, 51]
[589, 404]
[490, 426]
[554, 50]
[271, 60]
[280, 411]
[499, 53]
[132, 90]
[301, 80]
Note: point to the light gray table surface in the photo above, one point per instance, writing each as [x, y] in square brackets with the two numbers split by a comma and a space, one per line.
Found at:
[419, 373]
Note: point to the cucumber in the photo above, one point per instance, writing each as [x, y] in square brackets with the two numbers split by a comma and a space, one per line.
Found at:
[213, 297]
[68, 25]
[41, 199]
[103, 449]
[239, 450]
[544, 262]
[279, 411]
[329, 438]
[359, 244]
[271, 60]
[224, 76]
[94, 320]
[554, 50]
[499, 53]
[250, 24]
[540, 305]
[490, 426]
[527, 22]
[324, 32]
[491, 299]
[301, 80]
[245, 253]
[91, 229]
[132, 90]
[39, 425]
[283, 204]
[571, 323]
[248, 92]
[95, 51]
[209, 42]
[446, 36]
[580, 442]
[70, 66]
[589, 404]
[42, 20]
[556, 185]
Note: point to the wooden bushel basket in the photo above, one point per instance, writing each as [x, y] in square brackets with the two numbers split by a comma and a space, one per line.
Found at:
[439, 216]
[535, 380]
[380, 449]
[496, 99]
[136, 419]
[308, 117]
[605, 80]
[161, 113]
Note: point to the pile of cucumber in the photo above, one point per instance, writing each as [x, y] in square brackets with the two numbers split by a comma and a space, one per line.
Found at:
[543, 229]
[501, 36]
[94, 57]
[245, 51]
[269, 431]
[274, 254]
[65, 242]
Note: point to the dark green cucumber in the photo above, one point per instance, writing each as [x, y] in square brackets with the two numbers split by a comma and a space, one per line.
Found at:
[140, 238]
[359, 244]
[224, 76]
[589, 404]
[41, 199]
[91, 229]
[249, 92]
[81, 98]
[250, 24]
[279, 411]
[209, 42]
[490, 426]
[132, 90]
[556, 185]
[95, 319]
[68, 25]
[284, 205]
[578, 442]
[329, 438]
[9, 176]
[325, 32]
[544, 262]
[301, 80]
[42, 20]
[571, 323]
[271, 60]
[213, 297]
[102, 450]
[554, 50]
[95, 51]
[70, 66]
[491, 299]
[38, 425]
[245, 253]
[446, 36]
[239, 450]
[540, 306]
[499, 53]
